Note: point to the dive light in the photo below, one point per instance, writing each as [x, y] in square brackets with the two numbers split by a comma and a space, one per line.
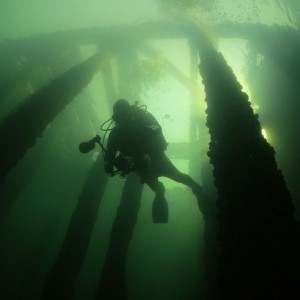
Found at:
[87, 146]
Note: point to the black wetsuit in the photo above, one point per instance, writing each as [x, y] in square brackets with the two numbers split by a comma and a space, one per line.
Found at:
[141, 138]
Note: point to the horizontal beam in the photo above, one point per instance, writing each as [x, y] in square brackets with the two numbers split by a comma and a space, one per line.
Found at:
[102, 36]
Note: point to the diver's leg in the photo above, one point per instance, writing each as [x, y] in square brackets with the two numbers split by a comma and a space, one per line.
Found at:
[167, 169]
[156, 186]
[170, 171]
[160, 210]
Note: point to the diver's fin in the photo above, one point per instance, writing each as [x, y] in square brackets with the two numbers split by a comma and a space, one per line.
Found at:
[160, 210]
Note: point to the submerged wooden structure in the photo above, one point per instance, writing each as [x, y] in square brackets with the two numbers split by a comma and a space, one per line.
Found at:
[256, 224]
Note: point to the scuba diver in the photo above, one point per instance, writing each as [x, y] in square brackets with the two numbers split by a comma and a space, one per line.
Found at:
[139, 140]
[137, 144]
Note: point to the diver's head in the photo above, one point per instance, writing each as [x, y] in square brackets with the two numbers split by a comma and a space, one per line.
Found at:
[121, 111]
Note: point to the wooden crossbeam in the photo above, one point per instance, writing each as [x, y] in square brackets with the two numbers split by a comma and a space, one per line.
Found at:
[170, 67]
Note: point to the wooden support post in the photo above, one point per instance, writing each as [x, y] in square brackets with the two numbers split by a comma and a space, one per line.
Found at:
[107, 74]
[61, 280]
[113, 281]
[260, 240]
[23, 126]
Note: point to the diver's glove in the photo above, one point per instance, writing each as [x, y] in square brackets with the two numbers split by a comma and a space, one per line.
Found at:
[108, 167]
